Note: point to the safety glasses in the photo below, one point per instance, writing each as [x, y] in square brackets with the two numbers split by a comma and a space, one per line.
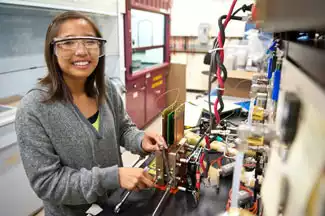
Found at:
[67, 47]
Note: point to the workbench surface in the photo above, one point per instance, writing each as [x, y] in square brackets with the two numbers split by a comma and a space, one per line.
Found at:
[144, 203]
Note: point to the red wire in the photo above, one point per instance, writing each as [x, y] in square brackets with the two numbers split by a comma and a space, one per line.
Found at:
[221, 53]
[201, 162]
[215, 106]
[207, 142]
[218, 161]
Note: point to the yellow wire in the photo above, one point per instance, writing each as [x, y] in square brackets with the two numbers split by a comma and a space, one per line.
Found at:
[174, 103]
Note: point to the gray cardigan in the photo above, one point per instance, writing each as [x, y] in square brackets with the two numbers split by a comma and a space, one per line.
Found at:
[70, 164]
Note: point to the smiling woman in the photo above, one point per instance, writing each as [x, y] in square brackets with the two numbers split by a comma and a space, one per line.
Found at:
[71, 126]
[76, 59]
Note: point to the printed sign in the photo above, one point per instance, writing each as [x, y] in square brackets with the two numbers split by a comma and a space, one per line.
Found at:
[156, 84]
[156, 78]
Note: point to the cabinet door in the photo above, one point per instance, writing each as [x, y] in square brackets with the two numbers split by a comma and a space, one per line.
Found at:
[135, 101]
[156, 87]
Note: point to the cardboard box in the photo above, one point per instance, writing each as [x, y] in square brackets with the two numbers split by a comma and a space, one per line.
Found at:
[238, 87]
[176, 79]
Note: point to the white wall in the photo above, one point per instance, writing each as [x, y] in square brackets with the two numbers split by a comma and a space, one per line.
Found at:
[185, 22]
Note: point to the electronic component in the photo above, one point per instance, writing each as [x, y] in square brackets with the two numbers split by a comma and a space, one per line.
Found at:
[170, 128]
[290, 118]
[179, 123]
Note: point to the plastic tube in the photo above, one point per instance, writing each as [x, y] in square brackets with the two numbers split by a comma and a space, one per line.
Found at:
[269, 68]
[236, 179]
[250, 113]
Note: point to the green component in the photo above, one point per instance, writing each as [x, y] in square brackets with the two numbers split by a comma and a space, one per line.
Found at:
[219, 139]
[170, 128]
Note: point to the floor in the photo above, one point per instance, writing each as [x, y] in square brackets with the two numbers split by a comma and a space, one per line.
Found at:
[155, 126]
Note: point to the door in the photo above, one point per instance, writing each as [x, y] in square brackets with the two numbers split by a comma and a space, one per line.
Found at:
[135, 101]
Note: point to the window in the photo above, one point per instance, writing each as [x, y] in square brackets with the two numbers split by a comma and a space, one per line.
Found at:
[148, 39]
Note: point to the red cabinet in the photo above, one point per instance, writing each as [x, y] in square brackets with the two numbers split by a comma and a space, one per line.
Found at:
[145, 97]
[135, 101]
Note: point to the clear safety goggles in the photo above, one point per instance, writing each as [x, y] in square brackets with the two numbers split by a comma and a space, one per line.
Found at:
[67, 47]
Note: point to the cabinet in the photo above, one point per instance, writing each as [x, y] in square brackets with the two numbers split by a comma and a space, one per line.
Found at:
[145, 97]
[155, 100]
[14, 187]
[135, 97]
[147, 57]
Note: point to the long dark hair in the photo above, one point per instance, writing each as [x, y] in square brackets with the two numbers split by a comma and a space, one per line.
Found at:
[58, 90]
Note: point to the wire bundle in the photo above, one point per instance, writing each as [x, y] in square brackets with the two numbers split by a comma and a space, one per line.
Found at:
[216, 63]
[217, 57]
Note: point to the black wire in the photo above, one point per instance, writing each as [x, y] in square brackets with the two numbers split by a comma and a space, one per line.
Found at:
[217, 57]
[222, 28]
[197, 144]
[236, 11]
[243, 8]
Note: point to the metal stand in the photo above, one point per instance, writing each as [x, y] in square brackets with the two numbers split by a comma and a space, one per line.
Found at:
[161, 200]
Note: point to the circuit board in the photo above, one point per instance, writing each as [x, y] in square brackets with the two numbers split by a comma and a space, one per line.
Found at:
[170, 128]
[164, 116]
[179, 123]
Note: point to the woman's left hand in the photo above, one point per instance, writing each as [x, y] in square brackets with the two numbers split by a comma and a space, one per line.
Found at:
[152, 141]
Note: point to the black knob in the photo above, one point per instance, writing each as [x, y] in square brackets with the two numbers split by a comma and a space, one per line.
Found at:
[290, 118]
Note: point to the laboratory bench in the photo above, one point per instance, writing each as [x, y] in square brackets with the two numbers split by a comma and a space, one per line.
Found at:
[143, 203]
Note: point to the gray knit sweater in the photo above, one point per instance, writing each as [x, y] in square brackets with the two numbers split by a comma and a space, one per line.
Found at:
[70, 164]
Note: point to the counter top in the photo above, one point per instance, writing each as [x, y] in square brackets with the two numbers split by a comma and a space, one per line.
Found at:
[144, 203]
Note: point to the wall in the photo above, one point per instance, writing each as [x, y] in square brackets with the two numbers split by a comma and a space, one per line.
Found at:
[23, 32]
[185, 22]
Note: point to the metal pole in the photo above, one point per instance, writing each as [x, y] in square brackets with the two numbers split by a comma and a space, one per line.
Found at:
[161, 201]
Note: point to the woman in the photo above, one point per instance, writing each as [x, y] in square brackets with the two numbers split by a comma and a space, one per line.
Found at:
[71, 126]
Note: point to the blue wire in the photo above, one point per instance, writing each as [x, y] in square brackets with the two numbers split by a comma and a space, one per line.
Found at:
[269, 68]
[276, 85]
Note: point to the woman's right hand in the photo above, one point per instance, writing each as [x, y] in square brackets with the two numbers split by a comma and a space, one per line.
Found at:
[135, 178]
